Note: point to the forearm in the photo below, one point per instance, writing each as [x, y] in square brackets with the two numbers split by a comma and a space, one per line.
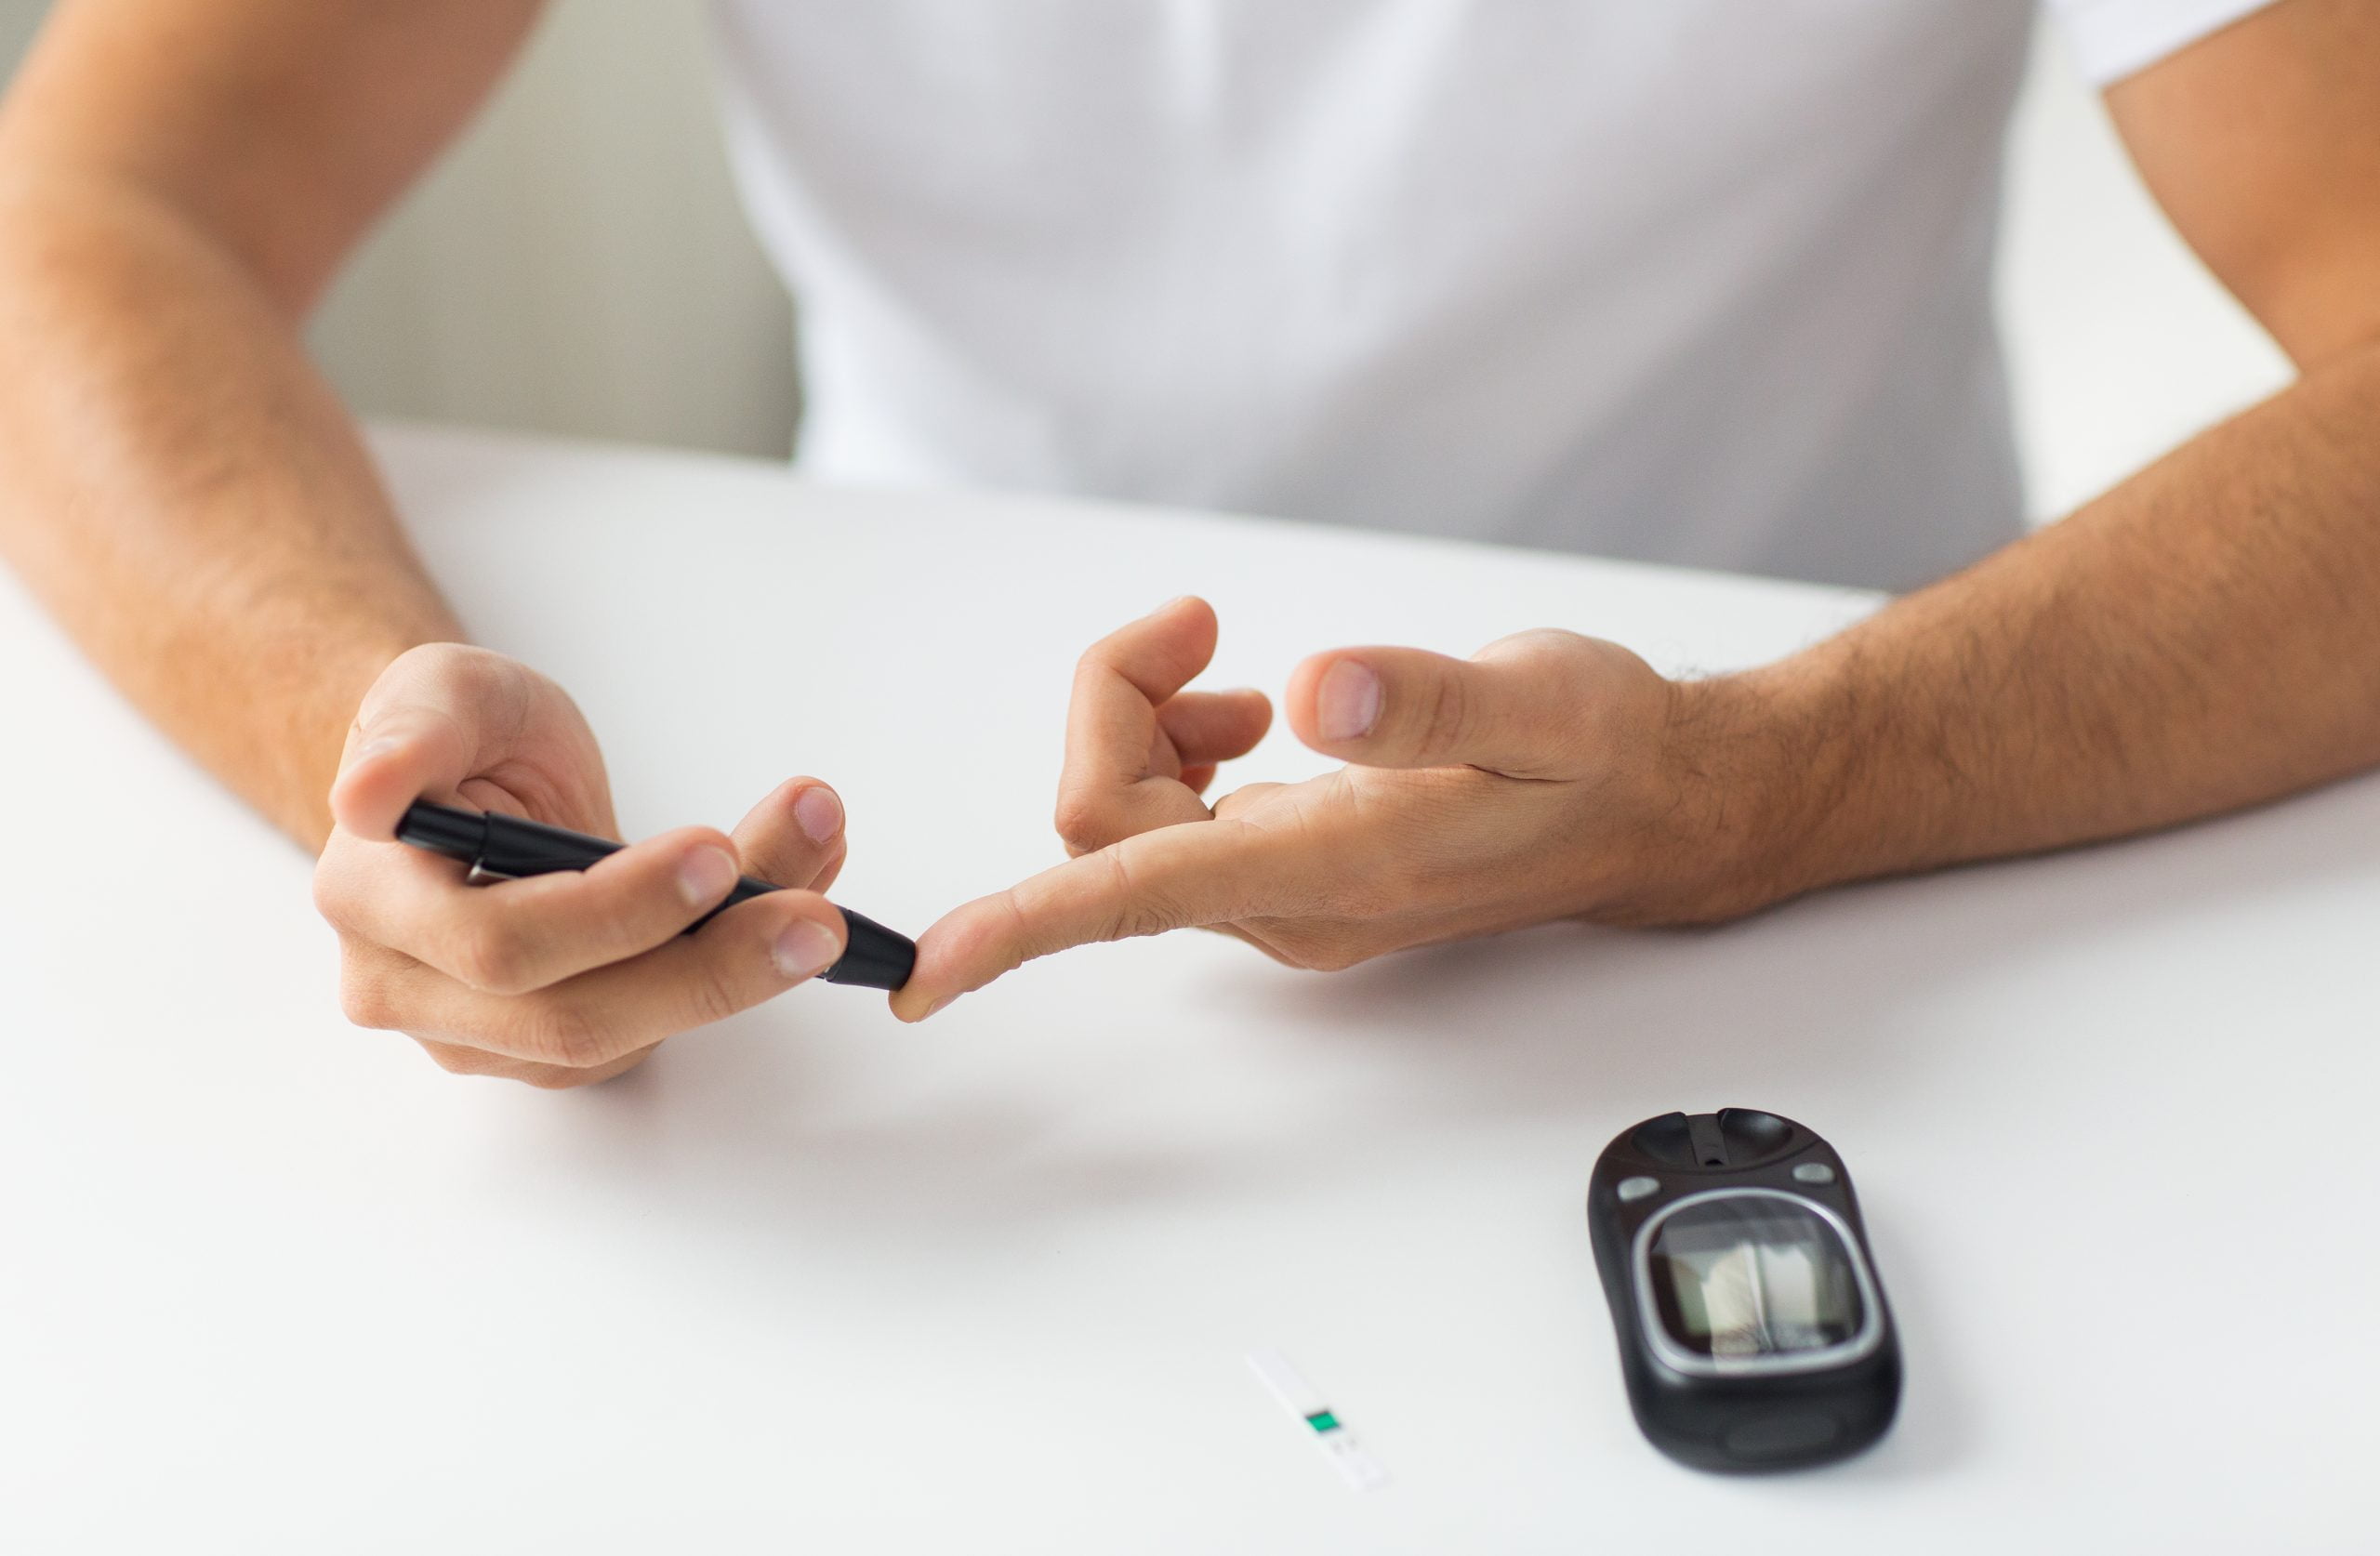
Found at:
[2203, 637]
[185, 493]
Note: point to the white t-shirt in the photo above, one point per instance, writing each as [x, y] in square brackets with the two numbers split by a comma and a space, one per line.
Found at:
[1694, 281]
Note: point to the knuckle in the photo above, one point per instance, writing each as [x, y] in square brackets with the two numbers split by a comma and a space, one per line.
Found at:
[1568, 664]
[1094, 671]
[364, 1000]
[1318, 951]
[462, 1062]
[1538, 646]
[709, 837]
[551, 1078]
[493, 959]
[464, 665]
[422, 665]
[1147, 916]
[559, 1032]
[1138, 909]
[341, 885]
[613, 929]
[330, 895]
[1082, 821]
[1569, 667]
[715, 995]
[1443, 715]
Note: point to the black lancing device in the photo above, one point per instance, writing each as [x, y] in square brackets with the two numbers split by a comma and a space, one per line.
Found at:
[1753, 1332]
[507, 847]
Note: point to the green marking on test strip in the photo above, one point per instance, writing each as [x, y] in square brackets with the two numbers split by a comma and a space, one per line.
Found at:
[1323, 1420]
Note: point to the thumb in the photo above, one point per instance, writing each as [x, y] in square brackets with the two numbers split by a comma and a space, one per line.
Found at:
[414, 735]
[1523, 706]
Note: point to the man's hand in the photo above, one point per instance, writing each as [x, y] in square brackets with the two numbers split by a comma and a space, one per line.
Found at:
[566, 979]
[1550, 776]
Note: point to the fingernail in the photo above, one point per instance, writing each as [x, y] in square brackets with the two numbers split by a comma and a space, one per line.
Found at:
[1167, 606]
[805, 949]
[820, 813]
[378, 745]
[705, 875]
[1346, 705]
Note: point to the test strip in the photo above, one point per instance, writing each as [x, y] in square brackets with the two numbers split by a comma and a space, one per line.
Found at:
[1358, 1469]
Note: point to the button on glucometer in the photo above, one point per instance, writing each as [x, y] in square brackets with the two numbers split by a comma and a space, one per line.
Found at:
[1637, 1188]
[1782, 1436]
[1813, 1172]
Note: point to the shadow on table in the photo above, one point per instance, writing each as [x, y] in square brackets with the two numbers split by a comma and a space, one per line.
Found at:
[1450, 1049]
[1536, 1019]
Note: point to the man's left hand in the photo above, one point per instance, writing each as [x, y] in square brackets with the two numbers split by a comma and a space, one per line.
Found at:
[1549, 776]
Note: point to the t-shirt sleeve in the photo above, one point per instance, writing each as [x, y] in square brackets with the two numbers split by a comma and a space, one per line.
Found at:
[2116, 37]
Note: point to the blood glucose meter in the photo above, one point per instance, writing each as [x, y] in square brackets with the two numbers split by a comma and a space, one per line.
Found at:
[1753, 1332]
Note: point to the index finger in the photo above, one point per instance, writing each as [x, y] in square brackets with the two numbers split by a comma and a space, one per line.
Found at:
[519, 935]
[1110, 786]
[1195, 873]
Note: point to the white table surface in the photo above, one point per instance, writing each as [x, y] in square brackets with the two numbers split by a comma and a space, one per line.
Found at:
[813, 1281]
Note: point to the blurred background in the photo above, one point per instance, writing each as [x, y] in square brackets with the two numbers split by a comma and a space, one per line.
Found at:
[579, 265]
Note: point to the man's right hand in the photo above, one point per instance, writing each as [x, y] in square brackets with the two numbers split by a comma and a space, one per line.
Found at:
[566, 979]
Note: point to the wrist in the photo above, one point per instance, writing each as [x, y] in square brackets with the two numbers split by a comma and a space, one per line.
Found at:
[1754, 772]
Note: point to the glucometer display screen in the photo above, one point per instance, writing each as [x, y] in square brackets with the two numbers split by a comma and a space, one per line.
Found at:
[1746, 1276]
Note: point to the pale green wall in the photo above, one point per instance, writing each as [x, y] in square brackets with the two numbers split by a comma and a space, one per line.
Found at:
[578, 264]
